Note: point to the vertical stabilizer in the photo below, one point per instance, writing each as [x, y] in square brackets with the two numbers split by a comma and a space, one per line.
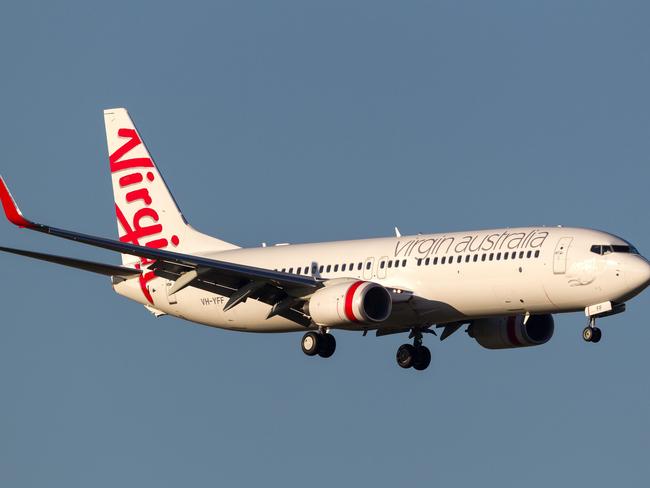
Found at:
[147, 214]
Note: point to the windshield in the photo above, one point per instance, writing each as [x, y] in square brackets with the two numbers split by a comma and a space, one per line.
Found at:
[610, 248]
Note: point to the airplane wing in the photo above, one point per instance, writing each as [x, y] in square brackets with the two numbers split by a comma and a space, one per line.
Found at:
[238, 281]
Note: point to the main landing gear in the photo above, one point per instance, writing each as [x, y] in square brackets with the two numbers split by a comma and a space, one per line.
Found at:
[321, 343]
[591, 333]
[414, 356]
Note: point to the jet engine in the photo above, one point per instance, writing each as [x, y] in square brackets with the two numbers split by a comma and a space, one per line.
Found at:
[510, 332]
[349, 302]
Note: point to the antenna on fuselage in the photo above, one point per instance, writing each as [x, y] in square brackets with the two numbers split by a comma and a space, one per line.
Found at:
[397, 232]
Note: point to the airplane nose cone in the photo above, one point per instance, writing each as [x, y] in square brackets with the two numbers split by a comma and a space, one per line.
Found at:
[638, 275]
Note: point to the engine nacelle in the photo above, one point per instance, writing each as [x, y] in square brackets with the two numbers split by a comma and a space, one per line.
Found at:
[510, 332]
[350, 302]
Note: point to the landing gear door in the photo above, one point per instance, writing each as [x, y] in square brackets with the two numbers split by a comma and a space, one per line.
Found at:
[560, 254]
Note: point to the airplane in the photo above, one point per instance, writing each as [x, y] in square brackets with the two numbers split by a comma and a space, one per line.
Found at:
[505, 285]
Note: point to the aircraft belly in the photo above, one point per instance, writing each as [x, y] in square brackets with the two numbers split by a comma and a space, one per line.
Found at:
[207, 308]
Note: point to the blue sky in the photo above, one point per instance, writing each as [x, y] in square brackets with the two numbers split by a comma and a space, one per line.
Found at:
[310, 121]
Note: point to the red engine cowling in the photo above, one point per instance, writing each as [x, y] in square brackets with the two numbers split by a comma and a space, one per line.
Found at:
[510, 332]
[350, 302]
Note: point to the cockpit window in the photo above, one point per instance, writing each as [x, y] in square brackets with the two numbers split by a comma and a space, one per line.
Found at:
[607, 249]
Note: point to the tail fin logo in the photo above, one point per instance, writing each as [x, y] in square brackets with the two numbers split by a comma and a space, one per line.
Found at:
[145, 224]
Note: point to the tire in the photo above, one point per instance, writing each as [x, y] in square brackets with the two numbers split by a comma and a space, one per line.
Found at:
[310, 343]
[422, 358]
[405, 356]
[327, 345]
[588, 334]
[597, 335]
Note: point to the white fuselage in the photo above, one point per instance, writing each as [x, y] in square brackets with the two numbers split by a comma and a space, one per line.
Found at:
[452, 277]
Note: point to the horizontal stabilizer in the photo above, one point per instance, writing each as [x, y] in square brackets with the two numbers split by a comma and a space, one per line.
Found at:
[100, 268]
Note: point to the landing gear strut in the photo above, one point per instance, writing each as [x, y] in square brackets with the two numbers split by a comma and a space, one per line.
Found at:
[414, 356]
[591, 333]
[320, 343]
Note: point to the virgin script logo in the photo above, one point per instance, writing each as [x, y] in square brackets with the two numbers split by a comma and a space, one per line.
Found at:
[144, 225]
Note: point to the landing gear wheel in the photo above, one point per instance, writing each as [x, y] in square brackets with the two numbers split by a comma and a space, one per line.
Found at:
[597, 335]
[327, 345]
[592, 334]
[422, 358]
[405, 356]
[310, 343]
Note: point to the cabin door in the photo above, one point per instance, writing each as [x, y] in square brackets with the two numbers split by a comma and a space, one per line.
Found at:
[559, 256]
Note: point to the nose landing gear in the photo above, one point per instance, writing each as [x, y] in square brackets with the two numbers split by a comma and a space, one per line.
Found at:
[591, 333]
[414, 356]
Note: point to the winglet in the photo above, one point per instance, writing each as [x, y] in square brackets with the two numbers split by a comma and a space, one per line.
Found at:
[12, 211]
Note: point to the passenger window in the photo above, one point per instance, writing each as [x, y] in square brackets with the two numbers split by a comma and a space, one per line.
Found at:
[382, 264]
[284, 270]
[475, 257]
[521, 255]
[397, 263]
[359, 267]
[498, 256]
[419, 261]
[483, 256]
[404, 263]
[427, 261]
[505, 255]
[336, 268]
[529, 254]
[351, 266]
[459, 259]
[343, 267]
[290, 270]
[435, 261]
[329, 268]
[442, 261]
[491, 256]
[368, 264]
[467, 258]
[537, 253]
[390, 263]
